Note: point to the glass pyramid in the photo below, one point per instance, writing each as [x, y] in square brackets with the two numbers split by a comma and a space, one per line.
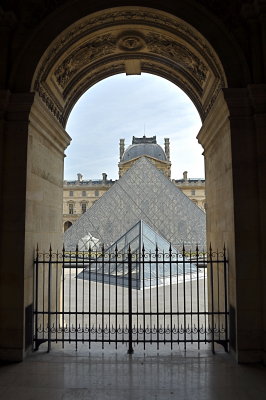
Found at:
[151, 265]
[142, 193]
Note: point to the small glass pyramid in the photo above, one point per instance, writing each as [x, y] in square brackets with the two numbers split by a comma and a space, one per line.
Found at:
[154, 261]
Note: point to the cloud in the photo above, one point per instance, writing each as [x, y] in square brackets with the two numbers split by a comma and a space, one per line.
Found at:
[123, 106]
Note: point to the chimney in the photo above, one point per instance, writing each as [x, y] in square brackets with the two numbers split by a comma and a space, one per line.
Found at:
[104, 177]
[80, 177]
[167, 148]
[185, 176]
[122, 148]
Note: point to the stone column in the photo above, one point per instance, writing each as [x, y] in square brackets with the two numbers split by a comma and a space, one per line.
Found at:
[32, 182]
[229, 139]
[257, 95]
[14, 138]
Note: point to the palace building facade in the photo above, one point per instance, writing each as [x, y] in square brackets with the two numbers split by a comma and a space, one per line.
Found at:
[80, 194]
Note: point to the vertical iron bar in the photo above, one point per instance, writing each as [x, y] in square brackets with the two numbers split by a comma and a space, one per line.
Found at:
[63, 298]
[36, 296]
[218, 293]
[164, 301]
[76, 298]
[49, 298]
[198, 320]
[137, 294]
[171, 296]
[225, 298]
[191, 296]
[43, 293]
[96, 298]
[150, 263]
[109, 298]
[69, 299]
[116, 257]
[212, 299]
[204, 289]
[83, 297]
[56, 296]
[123, 297]
[184, 293]
[157, 296]
[143, 297]
[90, 296]
[103, 268]
[130, 348]
[177, 297]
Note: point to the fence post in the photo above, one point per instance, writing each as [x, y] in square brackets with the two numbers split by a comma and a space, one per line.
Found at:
[212, 298]
[225, 300]
[49, 298]
[36, 297]
[130, 348]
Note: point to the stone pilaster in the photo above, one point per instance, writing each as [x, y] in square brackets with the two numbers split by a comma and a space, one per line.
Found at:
[14, 138]
[230, 139]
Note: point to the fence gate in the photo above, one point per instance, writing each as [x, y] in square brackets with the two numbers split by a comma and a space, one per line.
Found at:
[131, 298]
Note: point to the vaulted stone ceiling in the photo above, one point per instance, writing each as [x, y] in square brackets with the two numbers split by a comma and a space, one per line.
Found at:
[127, 40]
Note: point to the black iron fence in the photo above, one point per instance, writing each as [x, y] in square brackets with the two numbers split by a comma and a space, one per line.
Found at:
[130, 298]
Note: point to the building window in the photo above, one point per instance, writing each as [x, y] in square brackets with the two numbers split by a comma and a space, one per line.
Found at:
[84, 194]
[71, 193]
[83, 207]
[71, 208]
[193, 192]
[96, 193]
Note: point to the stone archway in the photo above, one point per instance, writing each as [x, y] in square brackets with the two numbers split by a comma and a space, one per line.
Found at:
[82, 50]
[127, 40]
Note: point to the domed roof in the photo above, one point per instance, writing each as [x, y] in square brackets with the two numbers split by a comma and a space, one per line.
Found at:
[144, 147]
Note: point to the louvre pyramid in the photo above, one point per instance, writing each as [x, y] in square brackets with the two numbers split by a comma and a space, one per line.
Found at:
[142, 193]
[150, 260]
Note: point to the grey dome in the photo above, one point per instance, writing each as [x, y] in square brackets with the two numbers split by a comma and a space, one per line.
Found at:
[144, 149]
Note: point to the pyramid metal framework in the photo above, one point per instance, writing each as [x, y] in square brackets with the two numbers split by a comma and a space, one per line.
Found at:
[150, 260]
[142, 193]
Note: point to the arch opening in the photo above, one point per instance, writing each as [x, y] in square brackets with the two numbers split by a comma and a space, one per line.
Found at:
[110, 116]
[67, 225]
[127, 40]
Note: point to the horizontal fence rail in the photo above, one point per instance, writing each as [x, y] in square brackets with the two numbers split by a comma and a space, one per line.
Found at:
[130, 298]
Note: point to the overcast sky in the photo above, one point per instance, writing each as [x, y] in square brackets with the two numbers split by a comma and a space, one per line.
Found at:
[125, 106]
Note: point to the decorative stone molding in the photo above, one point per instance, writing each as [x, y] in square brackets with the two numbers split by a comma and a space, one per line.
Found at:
[80, 55]
[106, 45]
[160, 44]
[50, 102]
[130, 41]
[99, 47]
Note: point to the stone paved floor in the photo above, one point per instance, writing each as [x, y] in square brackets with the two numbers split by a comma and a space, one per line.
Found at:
[110, 374]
